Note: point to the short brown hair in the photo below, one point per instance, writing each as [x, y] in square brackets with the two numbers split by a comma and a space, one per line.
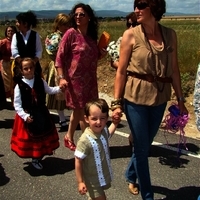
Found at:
[100, 103]
[157, 7]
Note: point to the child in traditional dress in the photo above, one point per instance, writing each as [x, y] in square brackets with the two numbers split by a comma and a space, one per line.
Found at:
[27, 42]
[92, 158]
[34, 133]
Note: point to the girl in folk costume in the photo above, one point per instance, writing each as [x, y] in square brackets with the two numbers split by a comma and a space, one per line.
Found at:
[5, 60]
[34, 133]
[26, 42]
[92, 157]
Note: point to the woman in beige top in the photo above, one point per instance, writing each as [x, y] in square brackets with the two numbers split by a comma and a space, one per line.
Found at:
[148, 67]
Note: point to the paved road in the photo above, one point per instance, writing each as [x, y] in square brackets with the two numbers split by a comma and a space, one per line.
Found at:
[173, 178]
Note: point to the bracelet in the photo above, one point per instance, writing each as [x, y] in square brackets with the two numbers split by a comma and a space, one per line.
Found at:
[60, 77]
[180, 99]
[115, 107]
[116, 102]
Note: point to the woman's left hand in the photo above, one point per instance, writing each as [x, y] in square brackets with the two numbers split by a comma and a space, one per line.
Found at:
[182, 108]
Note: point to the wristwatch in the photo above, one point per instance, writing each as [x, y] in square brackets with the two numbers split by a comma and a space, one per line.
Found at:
[181, 99]
[61, 77]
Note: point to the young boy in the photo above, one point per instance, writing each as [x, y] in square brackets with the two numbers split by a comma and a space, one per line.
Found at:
[92, 157]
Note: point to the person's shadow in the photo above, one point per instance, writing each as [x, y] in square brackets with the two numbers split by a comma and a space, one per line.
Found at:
[184, 193]
[51, 166]
[7, 123]
[173, 158]
[3, 178]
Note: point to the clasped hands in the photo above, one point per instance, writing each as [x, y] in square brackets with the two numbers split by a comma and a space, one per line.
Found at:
[116, 115]
[63, 84]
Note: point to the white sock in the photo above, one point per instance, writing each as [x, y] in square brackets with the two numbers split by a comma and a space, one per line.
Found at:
[61, 115]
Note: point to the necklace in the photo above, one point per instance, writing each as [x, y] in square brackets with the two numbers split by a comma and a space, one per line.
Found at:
[160, 89]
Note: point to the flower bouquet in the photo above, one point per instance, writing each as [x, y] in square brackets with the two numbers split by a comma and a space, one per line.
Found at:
[113, 49]
[51, 43]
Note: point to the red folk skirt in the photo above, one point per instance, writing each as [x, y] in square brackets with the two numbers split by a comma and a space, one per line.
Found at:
[26, 146]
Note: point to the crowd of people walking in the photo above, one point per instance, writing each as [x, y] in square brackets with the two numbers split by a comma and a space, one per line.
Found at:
[147, 68]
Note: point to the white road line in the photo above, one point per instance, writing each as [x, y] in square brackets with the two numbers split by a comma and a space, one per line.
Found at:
[188, 153]
[53, 113]
[122, 134]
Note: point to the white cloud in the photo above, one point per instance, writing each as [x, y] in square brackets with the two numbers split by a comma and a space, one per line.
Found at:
[183, 6]
[175, 6]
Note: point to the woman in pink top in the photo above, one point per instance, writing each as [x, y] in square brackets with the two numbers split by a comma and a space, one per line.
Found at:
[76, 63]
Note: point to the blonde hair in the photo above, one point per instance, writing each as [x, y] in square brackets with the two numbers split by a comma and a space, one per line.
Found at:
[61, 19]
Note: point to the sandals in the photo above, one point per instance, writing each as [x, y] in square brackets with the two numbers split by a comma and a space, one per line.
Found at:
[133, 189]
[69, 144]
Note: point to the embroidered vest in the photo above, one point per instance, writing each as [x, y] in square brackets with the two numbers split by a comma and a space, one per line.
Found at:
[32, 97]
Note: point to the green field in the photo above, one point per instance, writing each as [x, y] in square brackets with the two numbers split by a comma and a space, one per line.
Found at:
[188, 34]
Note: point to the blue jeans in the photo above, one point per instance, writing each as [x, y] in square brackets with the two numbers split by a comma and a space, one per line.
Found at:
[144, 122]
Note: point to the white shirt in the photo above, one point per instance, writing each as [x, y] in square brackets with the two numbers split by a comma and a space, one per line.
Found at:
[17, 96]
[14, 49]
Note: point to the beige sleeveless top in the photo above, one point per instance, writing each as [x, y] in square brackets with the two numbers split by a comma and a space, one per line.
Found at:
[143, 92]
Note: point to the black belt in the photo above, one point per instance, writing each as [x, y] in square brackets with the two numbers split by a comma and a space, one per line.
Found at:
[150, 78]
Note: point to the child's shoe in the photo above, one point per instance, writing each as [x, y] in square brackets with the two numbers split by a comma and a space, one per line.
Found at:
[36, 163]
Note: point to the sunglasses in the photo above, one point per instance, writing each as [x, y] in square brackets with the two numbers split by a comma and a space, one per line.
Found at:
[79, 15]
[128, 24]
[141, 5]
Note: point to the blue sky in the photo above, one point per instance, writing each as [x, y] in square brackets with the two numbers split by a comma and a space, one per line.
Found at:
[175, 6]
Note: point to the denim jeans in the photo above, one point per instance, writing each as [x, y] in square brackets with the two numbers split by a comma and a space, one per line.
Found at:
[144, 122]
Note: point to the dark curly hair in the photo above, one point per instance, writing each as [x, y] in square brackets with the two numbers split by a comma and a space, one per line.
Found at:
[157, 7]
[133, 18]
[28, 17]
[93, 25]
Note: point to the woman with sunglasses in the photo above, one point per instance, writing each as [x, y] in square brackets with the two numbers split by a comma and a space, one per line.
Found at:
[131, 21]
[76, 63]
[148, 67]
